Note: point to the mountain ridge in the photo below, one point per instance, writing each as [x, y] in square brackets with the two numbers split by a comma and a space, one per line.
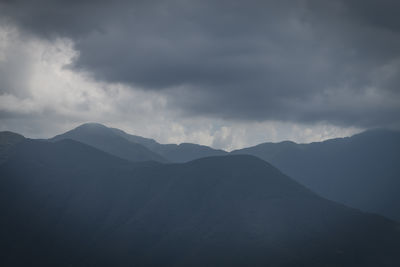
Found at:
[103, 138]
[182, 152]
[360, 171]
[80, 206]
[7, 141]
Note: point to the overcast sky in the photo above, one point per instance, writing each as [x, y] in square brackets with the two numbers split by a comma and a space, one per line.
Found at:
[222, 73]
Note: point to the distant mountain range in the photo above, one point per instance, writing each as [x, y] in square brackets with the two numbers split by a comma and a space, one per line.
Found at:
[64, 203]
[174, 153]
[362, 171]
[135, 148]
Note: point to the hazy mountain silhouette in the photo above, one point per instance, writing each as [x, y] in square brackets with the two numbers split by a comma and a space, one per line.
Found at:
[69, 204]
[140, 148]
[362, 171]
[174, 153]
[104, 138]
[7, 141]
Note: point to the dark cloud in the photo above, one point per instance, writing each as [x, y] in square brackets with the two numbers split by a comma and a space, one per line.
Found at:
[298, 60]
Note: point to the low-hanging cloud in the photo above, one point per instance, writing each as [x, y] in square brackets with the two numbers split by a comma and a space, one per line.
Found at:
[300, 61]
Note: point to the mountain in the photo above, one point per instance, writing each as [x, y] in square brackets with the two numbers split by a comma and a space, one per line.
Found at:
[69, 204]
[103, 138]
[136, 148]
[362, 171]
[174, 153]
[7, 141]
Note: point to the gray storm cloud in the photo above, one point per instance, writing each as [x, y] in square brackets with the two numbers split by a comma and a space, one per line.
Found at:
[298, 61]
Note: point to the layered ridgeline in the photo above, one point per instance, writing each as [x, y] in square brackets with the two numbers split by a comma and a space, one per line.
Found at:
[183, 152]
[69, 204]
[362, 171]
[136, 148]
[104, 138]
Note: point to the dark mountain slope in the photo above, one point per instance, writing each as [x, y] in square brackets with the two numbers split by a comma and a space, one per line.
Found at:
[67, 204]
[7, 141]
[9, 138]
[362, 171]
[174, 153]
[105, 139]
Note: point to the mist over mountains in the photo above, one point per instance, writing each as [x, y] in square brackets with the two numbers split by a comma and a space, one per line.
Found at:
[97, 196]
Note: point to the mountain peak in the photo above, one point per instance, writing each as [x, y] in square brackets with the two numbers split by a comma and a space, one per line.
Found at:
[92, 126]
[106, 139]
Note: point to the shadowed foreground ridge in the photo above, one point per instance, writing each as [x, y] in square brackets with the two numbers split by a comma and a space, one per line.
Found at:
[66, 203]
